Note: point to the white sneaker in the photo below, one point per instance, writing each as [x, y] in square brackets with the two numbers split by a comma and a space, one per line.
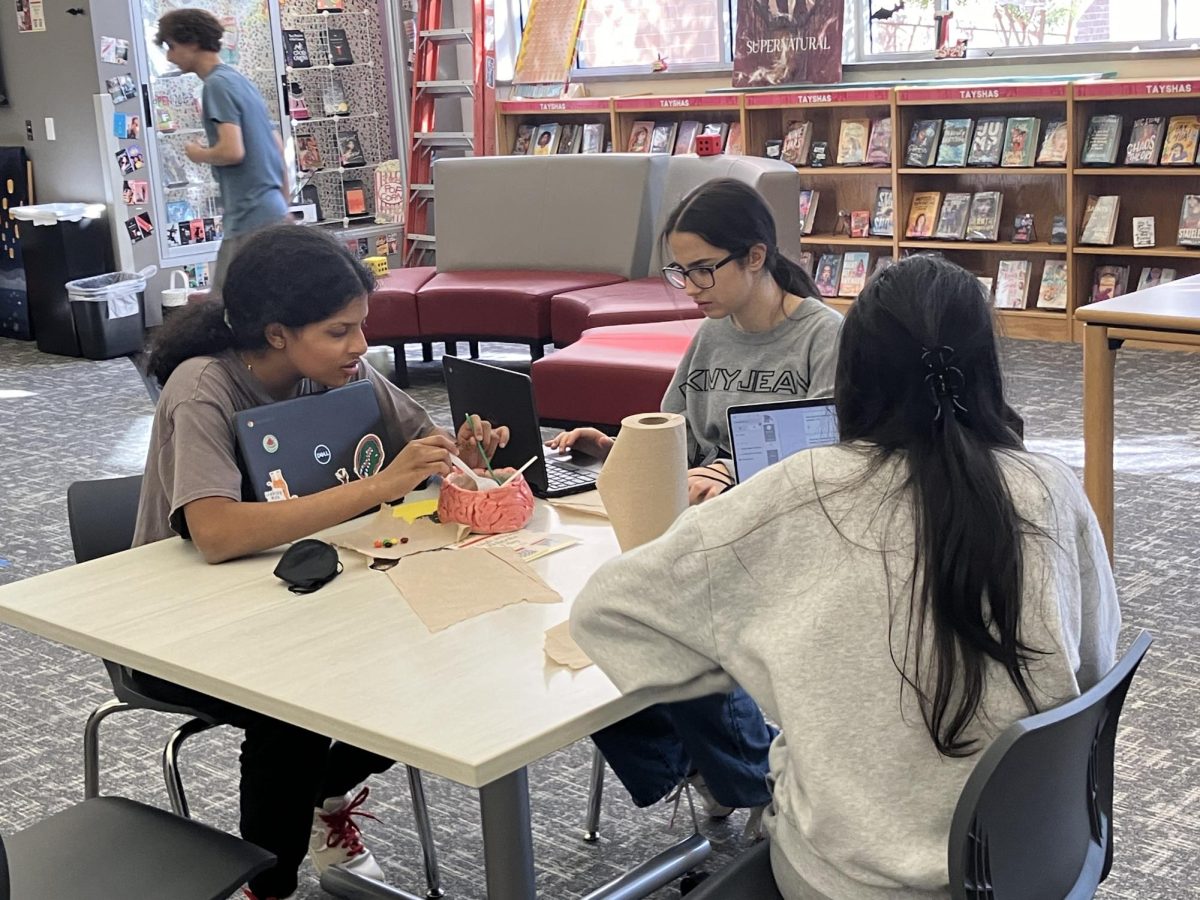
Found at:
[336, 840]
[712, 808]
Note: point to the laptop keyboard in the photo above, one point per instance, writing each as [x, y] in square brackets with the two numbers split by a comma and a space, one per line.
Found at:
[558, 478]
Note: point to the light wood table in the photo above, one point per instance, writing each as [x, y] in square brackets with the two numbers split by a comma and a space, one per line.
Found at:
[475, 703]
[1167, 314]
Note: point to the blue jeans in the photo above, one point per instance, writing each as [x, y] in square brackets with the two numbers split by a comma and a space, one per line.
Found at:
[722, 736]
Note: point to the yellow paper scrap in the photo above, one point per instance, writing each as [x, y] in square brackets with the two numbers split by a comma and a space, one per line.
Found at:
[417, 509]
[562, 649]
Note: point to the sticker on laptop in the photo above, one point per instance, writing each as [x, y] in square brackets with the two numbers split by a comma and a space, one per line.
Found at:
[277, 487]
[322, 455]
[342, 476]
[270, 443]
[368, 456]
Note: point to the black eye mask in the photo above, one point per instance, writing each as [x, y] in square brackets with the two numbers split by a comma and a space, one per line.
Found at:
[308, 565]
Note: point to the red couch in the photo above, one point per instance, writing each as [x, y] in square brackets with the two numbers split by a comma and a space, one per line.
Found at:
[628, 303]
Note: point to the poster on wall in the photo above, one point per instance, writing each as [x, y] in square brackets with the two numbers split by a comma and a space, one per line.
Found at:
[30, 16]
[788, 42]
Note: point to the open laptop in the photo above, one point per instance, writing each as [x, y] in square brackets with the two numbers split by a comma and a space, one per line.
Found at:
[298, 447]
[764, 433]
[506, 398]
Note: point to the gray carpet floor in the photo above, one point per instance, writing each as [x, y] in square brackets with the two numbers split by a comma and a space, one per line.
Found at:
[64, 419]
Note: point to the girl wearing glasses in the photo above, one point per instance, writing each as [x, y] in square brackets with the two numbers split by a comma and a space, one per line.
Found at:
[767, 337]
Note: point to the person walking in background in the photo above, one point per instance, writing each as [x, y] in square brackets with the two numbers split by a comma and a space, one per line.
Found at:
[244, 149]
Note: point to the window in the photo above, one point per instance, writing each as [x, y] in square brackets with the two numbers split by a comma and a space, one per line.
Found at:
[685, 33]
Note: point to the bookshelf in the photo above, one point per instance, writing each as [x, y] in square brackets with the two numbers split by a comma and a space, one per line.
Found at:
[511, 114]
[1042, 191]
[1155, 191]
[705, 108]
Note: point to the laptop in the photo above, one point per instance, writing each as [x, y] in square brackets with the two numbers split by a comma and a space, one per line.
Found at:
[298, 447]
[506, 398]
[764, 433]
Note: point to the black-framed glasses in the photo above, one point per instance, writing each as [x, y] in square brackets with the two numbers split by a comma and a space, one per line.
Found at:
[703, 277]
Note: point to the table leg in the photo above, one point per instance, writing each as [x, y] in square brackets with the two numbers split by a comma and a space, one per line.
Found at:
[507, 837]
[1099, 359]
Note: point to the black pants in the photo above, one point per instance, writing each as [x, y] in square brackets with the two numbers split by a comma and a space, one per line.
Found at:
[286, 772]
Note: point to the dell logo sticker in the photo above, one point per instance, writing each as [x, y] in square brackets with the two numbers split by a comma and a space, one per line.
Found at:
[321, 454]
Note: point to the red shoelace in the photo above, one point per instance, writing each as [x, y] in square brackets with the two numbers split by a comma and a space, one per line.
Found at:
[343, 830]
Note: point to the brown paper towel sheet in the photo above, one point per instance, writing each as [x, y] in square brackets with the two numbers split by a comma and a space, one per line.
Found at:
[423, 534]
[644, 480]
[588, 503]
[446, 588]
[561, 648]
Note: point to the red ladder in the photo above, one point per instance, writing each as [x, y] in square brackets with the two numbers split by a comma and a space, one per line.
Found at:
[425, 139]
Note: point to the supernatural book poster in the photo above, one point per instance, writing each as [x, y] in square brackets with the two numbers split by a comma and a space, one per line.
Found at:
[788, 42]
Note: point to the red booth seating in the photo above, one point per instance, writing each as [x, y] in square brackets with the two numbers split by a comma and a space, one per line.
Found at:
[497, 304]
[392, 313]
[610, 373]
[627, 303]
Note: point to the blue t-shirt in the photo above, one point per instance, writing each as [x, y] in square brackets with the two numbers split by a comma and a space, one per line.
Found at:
[251, 191]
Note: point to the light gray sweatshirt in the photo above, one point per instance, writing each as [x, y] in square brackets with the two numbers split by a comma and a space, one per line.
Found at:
[780, 586]
[725, 366]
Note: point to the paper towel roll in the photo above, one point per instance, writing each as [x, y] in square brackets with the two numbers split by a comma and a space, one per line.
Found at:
[644, 480]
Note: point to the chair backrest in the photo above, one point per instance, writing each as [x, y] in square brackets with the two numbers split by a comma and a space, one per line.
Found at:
[102, 515]
[1034, 820]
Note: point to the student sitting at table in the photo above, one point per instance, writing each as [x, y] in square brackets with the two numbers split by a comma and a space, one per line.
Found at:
[291, 323]
[766, 337]
[894, 601]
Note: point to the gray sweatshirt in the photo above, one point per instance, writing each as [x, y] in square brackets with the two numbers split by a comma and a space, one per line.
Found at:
[780, 586]
[724, 367]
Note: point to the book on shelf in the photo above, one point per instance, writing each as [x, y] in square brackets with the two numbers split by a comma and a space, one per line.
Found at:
[639, 136]
[879, 145]
[1101, 140]
[685, 137]
[987, 143]
[1058, 230]
[923, 143]
[180, 211]
[956, 140]
[1179, 146]
[1054, 144]
[856, 266]
[545, 139]
[852, 142]
[1020, 141]
[983, 221]
[808, 210]
[986, 282]
[1100, 219]
[860, 223]
[829, 274]
[1109, 282]
[331, 6]
[773, 149]
[295, 49]
[1143, 232]
[662, 137]
[308, 152]
[1152, 276]
[720, 129]
[163, 120]
[733, 143]
[819, 155]
[355, 195]
[570, 138]
[523, 140]
[883, 216]
[1024, 231]
[1189, 222]
[881, 263]
[806, 261]
[174, 174]
[350, 152]
[1145, 141]
[1052, 293]
[1012, 283]
[796, 142]
[310, 194]
[593, 138]
[389, 193]
[334, 98]
[339, 48]
[952, 220]
[297, 105]
[923, 213]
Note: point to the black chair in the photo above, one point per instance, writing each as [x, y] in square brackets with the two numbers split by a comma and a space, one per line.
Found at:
[110, 848]
[1033, 821]
[102, 515]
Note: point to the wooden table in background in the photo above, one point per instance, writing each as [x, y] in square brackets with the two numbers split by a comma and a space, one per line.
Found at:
[1167, 314]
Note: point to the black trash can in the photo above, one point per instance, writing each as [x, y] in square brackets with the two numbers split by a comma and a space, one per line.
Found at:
[109, 312]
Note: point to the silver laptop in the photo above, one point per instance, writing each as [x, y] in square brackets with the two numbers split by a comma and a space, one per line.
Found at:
[762, 434]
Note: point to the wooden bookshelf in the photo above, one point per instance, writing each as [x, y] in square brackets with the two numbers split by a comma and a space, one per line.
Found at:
[1042, 191]
[1156, 191]
[704, 108]
[511, 114]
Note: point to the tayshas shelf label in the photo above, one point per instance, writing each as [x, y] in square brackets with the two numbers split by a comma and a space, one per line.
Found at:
[975, 94]
[639, 104]
[568, 106]
[813, 98]
[1159, 87]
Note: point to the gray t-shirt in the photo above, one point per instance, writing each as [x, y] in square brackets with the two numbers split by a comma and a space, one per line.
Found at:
[724, 367]
[193, 447]
[252, 190]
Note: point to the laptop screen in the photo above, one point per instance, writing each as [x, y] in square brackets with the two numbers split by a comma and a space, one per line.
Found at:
[764, 433]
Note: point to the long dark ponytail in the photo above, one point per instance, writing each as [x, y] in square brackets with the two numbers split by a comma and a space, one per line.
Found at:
[918, 375]
[730, 214]
[287, 274]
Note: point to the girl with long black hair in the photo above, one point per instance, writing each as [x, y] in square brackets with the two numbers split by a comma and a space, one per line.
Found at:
[893, 601]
